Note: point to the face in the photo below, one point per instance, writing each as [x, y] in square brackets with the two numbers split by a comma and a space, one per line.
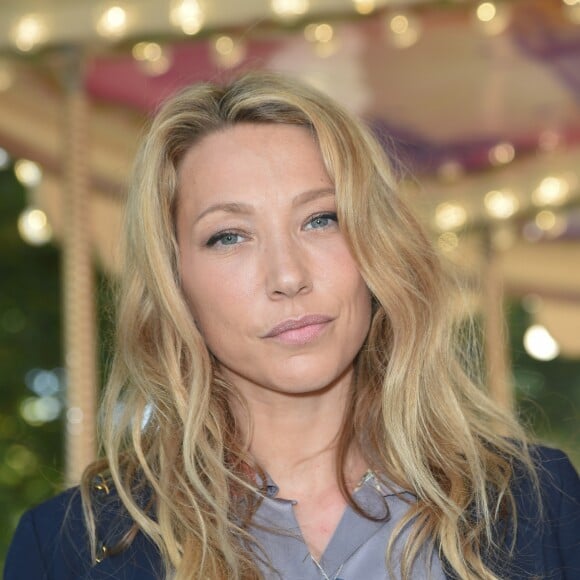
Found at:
[268, 276]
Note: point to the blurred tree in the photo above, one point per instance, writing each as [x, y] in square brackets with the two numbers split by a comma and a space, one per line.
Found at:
[547, 392]
[30, 350]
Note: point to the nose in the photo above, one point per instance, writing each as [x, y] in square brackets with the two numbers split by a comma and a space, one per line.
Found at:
[287, 271]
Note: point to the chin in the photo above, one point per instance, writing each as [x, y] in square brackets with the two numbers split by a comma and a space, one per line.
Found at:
[303, 382]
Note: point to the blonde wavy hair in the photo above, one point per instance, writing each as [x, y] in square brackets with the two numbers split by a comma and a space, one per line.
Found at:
[415, 411]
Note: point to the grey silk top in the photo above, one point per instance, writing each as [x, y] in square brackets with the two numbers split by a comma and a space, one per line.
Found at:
[356, 550]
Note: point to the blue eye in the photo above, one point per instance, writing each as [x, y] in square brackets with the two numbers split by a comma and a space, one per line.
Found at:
[322, 221]
[224, 239]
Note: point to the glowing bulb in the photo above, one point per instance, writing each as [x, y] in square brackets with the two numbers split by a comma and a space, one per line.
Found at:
[502, 154]
[540, 344]
[545, 220]
[322, 36]
[152, 58]
[28, 172]
[404, 30]
[551, 191]
[29, 32]
[448, 241]
[364, 6]
[33, 227]
[450, 216]
[187, 15]
[572, 2]
[113, 22]
[150, 51]
[399, 24]
[289, 8]
[492, 19]
[228, 53]
[486, 11]
[224, 45]
[501, 204]
[323, 33]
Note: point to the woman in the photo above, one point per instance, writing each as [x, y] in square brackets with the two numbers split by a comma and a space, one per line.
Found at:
[287, 397]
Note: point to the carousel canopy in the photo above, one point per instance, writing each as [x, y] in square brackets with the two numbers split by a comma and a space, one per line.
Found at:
[479, 100]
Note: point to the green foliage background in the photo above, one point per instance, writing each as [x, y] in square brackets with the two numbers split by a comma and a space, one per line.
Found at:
[31, 462]
[31, 457]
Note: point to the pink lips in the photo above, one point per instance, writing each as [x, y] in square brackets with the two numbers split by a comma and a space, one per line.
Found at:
[301, 330]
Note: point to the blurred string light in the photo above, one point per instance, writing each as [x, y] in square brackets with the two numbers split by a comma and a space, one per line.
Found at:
[546, 223]
[33, 227]
[318, 32]
[486, 11]
[322, 36]
[552, 190]
[153, 59]
[228, 52]
[29, 32]
[551, 223]
[492, 18]
[112, 23]
[188, 15]
[545, 220]
[448, 241]
[364, 6]
[450, 216]
[28, 172]
[540, 344]
[289, 9]
[4, 159]
[403, 29]
[502, 154]
[501, 204]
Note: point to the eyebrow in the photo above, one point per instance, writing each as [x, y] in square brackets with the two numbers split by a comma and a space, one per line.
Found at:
[246, 209]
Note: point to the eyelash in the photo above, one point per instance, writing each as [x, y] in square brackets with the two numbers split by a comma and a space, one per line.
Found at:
[220, 236]
[329, 215]
[216, 238]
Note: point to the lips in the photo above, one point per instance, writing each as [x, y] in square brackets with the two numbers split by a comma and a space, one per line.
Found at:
[300, 330]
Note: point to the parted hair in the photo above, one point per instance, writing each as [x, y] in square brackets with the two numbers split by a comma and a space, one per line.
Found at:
[415, 410]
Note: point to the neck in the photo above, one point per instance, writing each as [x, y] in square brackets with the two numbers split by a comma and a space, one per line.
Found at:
[295, 438]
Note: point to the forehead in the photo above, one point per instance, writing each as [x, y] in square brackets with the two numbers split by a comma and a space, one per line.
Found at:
[251, 159]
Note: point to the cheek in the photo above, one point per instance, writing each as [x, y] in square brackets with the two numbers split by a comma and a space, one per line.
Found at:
[216, 299]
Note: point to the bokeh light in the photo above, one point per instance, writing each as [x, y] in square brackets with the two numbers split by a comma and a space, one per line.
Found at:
[540, 344]
[188, 15]
[33, 227]
[450, 216]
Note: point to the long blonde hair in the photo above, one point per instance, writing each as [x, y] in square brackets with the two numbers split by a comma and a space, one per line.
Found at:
[414, 412]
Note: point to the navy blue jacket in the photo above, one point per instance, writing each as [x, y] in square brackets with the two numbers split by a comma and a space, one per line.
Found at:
[51, 540]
